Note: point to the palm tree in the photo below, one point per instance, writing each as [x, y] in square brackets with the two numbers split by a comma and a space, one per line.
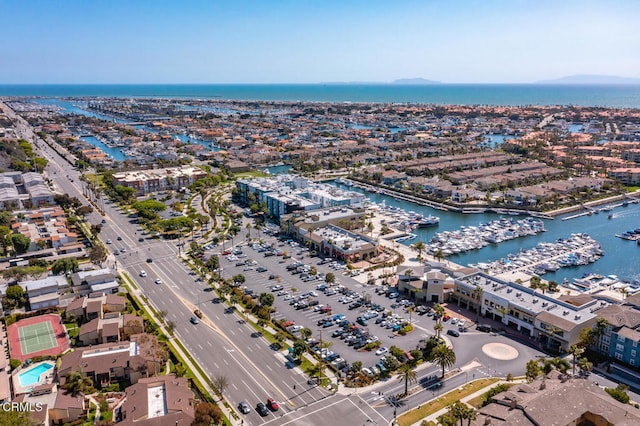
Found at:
[305, 333]
[438, 312]
[575, 352]
[443, 356]
[410, 309]
[406, 373]
[420, 247]
[585, 365]
[534, 282]
[438, 329]
[439, 254]
[77, 383]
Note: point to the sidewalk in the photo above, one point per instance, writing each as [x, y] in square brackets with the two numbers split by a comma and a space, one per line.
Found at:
[433, 417]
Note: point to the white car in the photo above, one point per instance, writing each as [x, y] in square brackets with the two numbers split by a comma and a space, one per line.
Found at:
[454, 321]
[158, 281]
[461, 323]
[288, 297]
[382, 350]
[109, 241]
[143, 274]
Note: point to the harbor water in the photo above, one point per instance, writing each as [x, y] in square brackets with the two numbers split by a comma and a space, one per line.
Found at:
[621, 257]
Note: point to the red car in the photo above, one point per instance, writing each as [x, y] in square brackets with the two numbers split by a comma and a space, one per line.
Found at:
[226, 252]
[272, 404]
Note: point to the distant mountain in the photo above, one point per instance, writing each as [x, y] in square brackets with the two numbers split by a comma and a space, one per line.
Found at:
[591, 79]
[418, 80]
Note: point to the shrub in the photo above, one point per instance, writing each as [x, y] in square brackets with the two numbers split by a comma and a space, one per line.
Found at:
[618, 394]
[493, 392]
[15, 363]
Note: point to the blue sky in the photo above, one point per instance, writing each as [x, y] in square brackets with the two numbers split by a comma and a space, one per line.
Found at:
[299, 41]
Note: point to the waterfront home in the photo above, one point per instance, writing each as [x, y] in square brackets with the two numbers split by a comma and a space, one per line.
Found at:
[626, 175]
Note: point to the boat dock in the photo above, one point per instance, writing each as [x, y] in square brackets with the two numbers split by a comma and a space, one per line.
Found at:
[578, 249]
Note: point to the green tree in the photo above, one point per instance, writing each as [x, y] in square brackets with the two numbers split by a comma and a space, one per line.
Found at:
[438, 327]
[20, 243]
[97, 254]
[420, 247]
[532, 370]
[5, 218]
[330, 278]
[213, 263]
[443, 356]
[5, 237]
[534, 282]
[15, 293]
[299, 347]
[16, 418]
[266, 299]
[406, 373]
[206, 414]
[68, 264]
[306, 333]
[575, 351]
[585, 365]
[77, 383]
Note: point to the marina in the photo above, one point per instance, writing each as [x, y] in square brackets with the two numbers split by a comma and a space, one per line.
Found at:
[577, 250]
[469, 238]
[598, 226]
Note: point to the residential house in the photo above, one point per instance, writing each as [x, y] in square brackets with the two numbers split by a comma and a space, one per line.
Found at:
[43, 293]
[554, 400]
[157, 401]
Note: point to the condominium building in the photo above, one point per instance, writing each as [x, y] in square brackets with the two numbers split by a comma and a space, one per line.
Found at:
[147, 181]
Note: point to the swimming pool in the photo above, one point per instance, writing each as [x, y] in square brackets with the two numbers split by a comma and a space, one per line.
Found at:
[33, 375]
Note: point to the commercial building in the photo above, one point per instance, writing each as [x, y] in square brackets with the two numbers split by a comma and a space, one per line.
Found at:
[554, 322]
[286, 193]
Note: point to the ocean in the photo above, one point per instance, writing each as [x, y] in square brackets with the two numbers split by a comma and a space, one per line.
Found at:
[617, 96]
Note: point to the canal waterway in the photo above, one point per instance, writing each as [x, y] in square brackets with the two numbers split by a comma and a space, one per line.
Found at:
[81, 108]
[621, 258]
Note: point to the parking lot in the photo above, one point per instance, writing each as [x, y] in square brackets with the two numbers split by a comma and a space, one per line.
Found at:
[306, 301]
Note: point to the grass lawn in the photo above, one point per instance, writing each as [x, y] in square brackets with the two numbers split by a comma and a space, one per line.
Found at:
[433, 406]
[478, 400]
[255, 173]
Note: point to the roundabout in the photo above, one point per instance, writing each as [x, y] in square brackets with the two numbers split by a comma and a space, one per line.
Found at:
[500, 351]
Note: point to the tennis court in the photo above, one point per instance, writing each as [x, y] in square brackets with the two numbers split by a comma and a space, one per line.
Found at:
[37, 337]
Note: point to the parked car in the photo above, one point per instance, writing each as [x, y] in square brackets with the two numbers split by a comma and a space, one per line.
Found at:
[382, 350]
[272, 404]
[143, 273]
[194, 320]
[453, 333]
[244, 407]
[262, 409]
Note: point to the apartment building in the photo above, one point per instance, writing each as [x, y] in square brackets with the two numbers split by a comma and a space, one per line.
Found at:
[148, 181]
